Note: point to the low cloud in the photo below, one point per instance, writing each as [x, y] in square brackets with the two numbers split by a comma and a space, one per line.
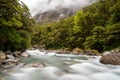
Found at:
[36, 6]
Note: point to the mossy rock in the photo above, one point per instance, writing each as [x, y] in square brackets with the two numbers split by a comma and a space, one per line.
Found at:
[91, 52]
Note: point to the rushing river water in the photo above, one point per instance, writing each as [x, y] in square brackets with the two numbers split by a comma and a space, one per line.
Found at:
[62, 67]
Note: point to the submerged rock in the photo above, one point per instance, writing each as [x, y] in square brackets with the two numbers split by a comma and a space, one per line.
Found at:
[9, 63]
[63, 52]
[8, 52]
[111, 58]
[10, 59]
[70, 63]
[36, 65]
[17, 53]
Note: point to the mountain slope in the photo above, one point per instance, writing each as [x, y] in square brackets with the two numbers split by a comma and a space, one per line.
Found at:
[54, 10]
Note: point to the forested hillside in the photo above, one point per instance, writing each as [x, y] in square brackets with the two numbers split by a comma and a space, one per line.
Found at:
[94, 27]
[15, 25]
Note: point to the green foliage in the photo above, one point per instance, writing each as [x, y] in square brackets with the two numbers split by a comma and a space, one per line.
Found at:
[94, 41]
[54, 35]
[15, 25]
[96, 26]
[112, 39]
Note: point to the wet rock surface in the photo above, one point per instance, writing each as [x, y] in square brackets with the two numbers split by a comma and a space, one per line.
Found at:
[3, 56]
[36, 65]
[111, 57]
[10, 59]
[78, 51]
[25, 54]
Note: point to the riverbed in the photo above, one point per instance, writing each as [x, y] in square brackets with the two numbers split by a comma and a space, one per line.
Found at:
[60, 67]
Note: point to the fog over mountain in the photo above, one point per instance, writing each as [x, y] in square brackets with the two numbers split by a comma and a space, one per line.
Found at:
[40, 6]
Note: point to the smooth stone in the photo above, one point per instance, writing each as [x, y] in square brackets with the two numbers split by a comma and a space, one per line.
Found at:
[113, 59]
[25, 54]
[2, 55]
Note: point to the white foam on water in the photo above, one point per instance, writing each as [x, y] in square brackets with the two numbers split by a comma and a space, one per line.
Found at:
[28, 70]
[35, 52]
[51, 73]
[51, 54]
[65, 55]
[19, 76]
[105, 76]
[73, 77]
[87, 68]
[47, 73]
[90, 69]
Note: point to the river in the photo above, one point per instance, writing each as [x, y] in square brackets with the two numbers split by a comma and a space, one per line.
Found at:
[61, 67]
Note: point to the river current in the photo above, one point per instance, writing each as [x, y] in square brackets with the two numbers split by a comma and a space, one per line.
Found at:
[61, 67]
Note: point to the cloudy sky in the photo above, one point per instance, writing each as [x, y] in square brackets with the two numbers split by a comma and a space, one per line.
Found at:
[44, 5]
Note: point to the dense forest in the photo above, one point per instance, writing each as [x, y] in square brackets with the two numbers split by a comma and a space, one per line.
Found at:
[94, 27]
[15, 25]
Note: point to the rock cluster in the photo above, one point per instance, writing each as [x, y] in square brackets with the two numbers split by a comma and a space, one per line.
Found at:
[78, 51]
[9, 59]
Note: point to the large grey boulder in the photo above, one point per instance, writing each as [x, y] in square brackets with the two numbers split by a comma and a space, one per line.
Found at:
[110, 58]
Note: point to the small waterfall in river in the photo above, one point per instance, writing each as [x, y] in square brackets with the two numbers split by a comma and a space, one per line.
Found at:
[62, 67]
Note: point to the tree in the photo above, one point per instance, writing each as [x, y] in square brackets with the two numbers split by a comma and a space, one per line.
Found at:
[112, 37]
[95, 40]
[15, 20]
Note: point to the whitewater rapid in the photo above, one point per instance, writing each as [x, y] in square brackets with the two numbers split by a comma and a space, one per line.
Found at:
[63, 67]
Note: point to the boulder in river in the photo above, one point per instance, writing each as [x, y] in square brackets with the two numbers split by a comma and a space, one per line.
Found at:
[2, 55]
[110, 58]
[36, 65]
[77, 51]
[63, 52]
[25, 54]
[91, 52]
[8, 63]
[1, 78]
[8, 52]
[17, 53]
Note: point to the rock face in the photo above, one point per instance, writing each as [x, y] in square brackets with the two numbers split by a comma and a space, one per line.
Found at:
[53, 15]
[111, 58]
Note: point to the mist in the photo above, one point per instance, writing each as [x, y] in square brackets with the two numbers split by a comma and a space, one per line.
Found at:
[36, 6]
